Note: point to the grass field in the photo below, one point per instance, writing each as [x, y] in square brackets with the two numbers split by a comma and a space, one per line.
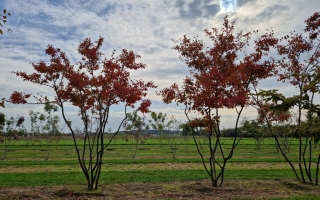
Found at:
[154, 164]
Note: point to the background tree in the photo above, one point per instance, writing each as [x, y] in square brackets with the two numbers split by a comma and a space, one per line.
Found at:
[219, 80]
[46, 128]
[172, 128]
[3, 20]
[186, 132]
[93, 85]
[186, 129]
[10, 136]
[136, 128]
[158, 122]
[251, 128]
[313, 119]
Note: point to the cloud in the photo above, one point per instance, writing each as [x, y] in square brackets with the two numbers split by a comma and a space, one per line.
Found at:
[197, 8]
[144, 26]
[268, 13]
[243, 2]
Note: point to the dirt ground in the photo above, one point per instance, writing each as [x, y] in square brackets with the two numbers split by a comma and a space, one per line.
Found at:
[255, 189]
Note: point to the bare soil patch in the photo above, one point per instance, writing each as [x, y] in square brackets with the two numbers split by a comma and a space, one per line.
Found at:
[253, 189]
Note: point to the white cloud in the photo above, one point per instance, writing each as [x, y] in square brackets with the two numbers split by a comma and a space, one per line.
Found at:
[143, 26]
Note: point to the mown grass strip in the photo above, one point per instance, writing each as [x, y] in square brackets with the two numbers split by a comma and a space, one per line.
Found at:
[111, 177]
[73, 161]
[137, 167]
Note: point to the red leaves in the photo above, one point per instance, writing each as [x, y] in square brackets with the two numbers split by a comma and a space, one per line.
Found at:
[19, 97]
[127, 58]
[95, 84]
[299, 55]
[267, 112]
[218, 79]
[313, 24]
[144, 106]
[51, 51]
[169, 94]
[91, 54]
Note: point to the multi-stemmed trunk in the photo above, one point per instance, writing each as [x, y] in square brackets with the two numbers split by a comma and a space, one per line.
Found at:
[91, 155]
[218, 157]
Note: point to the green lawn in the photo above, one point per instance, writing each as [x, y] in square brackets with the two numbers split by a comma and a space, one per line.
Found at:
[22, 158]
[250, 170]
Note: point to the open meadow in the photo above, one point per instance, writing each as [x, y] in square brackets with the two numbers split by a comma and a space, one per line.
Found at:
[159, 171]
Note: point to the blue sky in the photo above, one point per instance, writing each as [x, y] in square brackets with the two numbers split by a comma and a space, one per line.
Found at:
[144, 26]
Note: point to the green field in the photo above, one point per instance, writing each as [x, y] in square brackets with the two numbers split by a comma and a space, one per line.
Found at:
[25, 166]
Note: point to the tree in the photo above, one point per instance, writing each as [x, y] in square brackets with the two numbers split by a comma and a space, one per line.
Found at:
[136, 127]
[219, 80]
[186, 132]
[252, 129]
[313, 119]
[46, 127]
[186, 129]
[158, 123]
[3, 20]
[11, 135]
[93, 86]
[299, 66]
[172, 128]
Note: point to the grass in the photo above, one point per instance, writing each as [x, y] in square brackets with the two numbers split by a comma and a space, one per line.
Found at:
[112, 177]
[26, 166]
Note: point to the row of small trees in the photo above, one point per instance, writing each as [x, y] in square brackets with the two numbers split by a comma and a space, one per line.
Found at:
[44, 129]
[138, 128]
[285, 130]
[222, 76]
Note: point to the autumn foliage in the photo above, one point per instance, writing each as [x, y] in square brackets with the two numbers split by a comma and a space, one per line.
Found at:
[93, 85]
[221, 77]
[313, 25]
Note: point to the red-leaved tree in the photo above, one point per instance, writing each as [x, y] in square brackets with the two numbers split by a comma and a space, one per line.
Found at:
[220, 78]
[92, 85]
[299, 67]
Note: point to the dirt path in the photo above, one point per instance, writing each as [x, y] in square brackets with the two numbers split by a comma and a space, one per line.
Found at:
[256, 189]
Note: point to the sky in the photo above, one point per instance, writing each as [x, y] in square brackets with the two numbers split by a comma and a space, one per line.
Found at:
[145, 26]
